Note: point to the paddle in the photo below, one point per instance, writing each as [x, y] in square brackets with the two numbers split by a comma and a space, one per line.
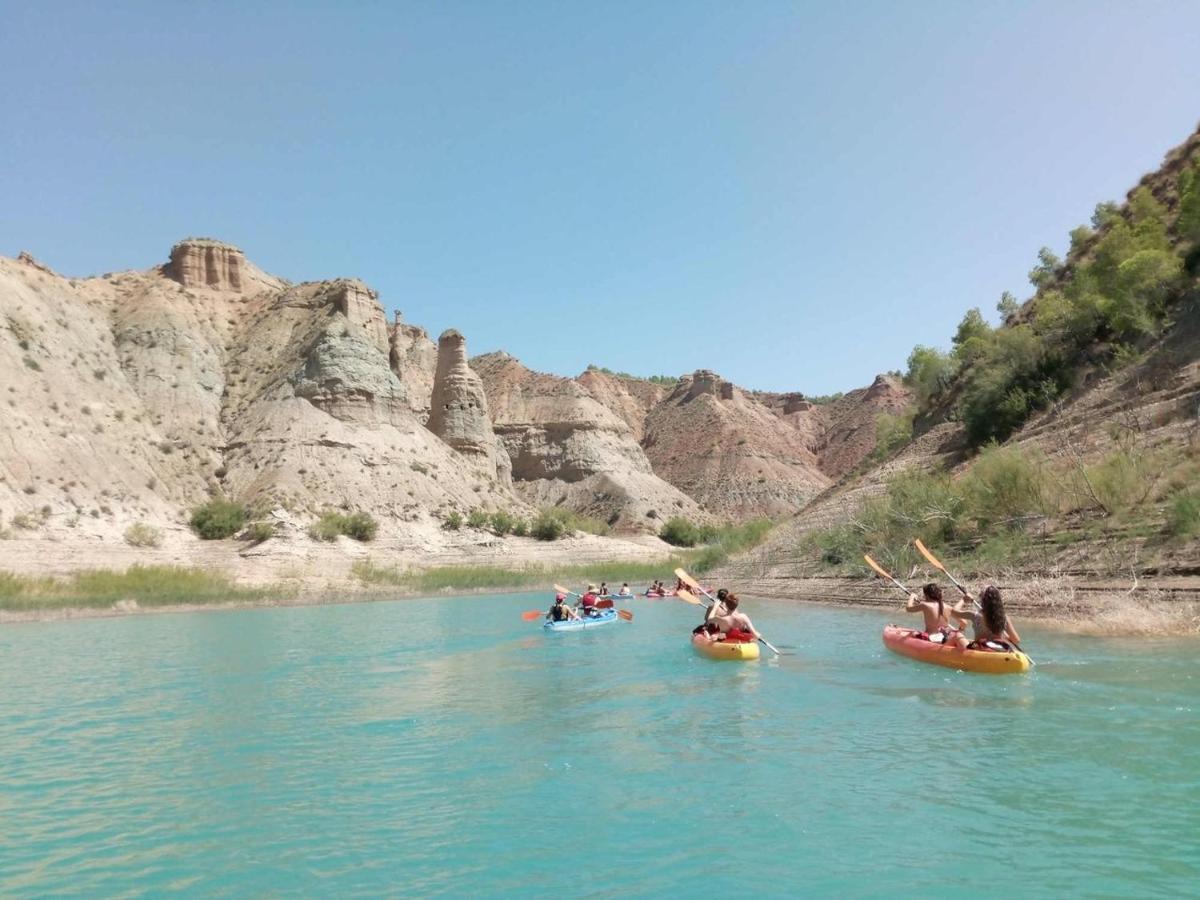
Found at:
[687, 597]
[937, 564]
[531, 614]
[884, 573]
[695, 586]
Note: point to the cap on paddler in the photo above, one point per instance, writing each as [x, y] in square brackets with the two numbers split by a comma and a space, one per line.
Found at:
[560, 596]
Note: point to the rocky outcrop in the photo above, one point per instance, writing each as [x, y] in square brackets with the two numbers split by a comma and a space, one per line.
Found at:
[360, 305]
[205, 263]
[458, 406]
[569, 449]
[413, 357]
[729, 451]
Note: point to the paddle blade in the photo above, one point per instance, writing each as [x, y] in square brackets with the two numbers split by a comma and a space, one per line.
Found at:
[562, 590]
[924, 551]
[687, 579]
[877, 567]
[604, 604]
[687, 597]
[532, 614]
[625, 614]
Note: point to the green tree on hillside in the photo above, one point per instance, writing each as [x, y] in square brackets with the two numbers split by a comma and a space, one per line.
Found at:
[1008, 307]
[929, 372]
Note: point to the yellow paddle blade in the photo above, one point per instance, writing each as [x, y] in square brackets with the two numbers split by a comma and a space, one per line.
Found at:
[876, 566]
[687, 579]
[562, 590]
[924, 551]
[687, 597]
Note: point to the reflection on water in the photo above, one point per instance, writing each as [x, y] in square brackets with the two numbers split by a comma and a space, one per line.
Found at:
[447, 746]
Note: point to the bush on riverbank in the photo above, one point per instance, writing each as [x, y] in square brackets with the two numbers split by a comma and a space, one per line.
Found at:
[986, 512]
[359, 525]
[147, 585]
[218, 519]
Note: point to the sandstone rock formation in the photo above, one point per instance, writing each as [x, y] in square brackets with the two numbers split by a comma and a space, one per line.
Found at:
[135, 396]
[458, 407]
[568, 449]
[203, 262]
[413, 357]
[730, 452]
[842, 433]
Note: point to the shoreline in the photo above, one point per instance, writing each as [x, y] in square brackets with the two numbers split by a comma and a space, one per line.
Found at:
[1106, 614]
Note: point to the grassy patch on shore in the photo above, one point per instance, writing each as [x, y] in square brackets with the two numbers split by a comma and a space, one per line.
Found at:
[147, 585]
[468, 578]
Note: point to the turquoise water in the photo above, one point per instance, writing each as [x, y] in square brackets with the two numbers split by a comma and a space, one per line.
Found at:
[445, 747]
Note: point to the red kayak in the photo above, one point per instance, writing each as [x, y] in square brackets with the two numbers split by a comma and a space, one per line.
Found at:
[907, 642]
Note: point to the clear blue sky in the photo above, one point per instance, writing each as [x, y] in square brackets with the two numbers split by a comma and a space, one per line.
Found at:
[792, 194]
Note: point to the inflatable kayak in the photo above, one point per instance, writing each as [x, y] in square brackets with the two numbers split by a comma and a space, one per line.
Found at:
[606, 617]
[725, 649]
[657, 596]
[993, 662]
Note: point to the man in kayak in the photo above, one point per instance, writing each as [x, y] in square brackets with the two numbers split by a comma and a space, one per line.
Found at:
[731, 624]
[561, 611]
[937, 627]
[989, 623]
[625, 591]
[588, 601]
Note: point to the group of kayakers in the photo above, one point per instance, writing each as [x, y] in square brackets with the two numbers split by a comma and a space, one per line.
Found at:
[990, 626]
[562, 611]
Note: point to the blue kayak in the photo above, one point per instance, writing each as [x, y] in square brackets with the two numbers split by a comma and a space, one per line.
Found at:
[606, 617]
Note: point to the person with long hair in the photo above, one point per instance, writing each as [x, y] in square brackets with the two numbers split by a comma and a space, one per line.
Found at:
[989, 622]
[930, 604]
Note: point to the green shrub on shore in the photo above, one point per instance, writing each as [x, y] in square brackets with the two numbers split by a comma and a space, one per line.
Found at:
[478, 518]
[1183, 514]
[147, 585]
[218, 519]
[139, 534]
[453, 521]
[502, 523]
[547, 527]
[259, 532]
[359, 525]
[721, 543]
[520, 528]
[679, 532]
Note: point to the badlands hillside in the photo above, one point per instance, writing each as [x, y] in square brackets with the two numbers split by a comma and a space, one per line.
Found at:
[1057, 454]
[132, 398]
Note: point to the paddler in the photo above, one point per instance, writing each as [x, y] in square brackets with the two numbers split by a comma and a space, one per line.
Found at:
[937, 627]
[989, 622]
[733, 625]
[588, 601]
[604, 589]
[561, 610]
[625, 591]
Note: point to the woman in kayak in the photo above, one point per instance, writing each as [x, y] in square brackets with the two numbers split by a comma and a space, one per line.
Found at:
[625, 592]
[937, 627]
[989, 623]
[733, 625]
[604, 589]
[560, 611]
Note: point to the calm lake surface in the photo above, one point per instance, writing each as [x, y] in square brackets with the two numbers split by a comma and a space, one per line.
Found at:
[445, 747]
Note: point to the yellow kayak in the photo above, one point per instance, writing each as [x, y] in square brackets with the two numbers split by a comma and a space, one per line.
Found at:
[724, 649]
